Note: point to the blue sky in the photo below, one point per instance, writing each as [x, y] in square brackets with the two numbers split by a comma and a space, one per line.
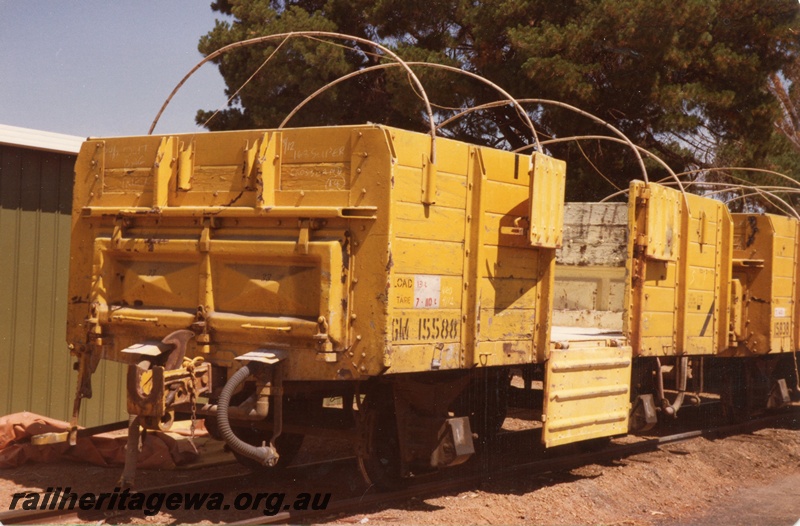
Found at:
[103, 68]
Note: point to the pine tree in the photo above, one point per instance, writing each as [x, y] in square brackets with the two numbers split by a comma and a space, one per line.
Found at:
[689, 80]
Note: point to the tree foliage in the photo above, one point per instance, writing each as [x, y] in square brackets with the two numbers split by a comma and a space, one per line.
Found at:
[689, 80]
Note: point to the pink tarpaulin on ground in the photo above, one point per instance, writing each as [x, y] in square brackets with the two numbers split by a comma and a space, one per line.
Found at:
[159, 450]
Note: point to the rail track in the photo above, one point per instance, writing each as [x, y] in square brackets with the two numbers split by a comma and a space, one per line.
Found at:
[560, 463]
[485, 468]
[202, 484]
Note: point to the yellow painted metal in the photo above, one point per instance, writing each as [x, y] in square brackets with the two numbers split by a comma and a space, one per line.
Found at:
[467, 286]
[679, 267]
[737, 313]
[164, 171]
[765, 252]
[663, 233]
[344, 245]
[586, 392]
[796, 299]
[429, 181]
[546, 207]
[185, 166]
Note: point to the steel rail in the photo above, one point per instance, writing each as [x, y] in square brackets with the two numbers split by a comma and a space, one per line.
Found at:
[538, 467]
[85, 516]
[424, 489]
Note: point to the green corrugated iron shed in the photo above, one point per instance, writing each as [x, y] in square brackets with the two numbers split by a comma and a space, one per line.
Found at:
[36, 174]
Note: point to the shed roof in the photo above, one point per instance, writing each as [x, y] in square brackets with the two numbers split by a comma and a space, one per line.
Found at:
[39, 140]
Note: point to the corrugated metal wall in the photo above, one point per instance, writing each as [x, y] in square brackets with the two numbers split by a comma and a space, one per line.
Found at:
[35, 367]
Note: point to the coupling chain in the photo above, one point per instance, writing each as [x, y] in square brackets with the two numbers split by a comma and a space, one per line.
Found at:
[189, 364]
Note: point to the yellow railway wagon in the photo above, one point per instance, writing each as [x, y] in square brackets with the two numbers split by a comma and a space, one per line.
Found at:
[765, 315]
[317, 240]
[377, 285]
[702, 286]
[679, 260]
[321, 254]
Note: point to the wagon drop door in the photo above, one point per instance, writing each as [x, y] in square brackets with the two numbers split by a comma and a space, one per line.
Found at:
[586, 392]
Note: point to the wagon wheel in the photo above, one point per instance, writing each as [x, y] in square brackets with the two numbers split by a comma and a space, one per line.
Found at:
[485, 402]
[379, 455]
[734, 395]
[642, 390]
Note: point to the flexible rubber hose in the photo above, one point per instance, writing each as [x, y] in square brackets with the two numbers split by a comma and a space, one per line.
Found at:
[263, 454]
